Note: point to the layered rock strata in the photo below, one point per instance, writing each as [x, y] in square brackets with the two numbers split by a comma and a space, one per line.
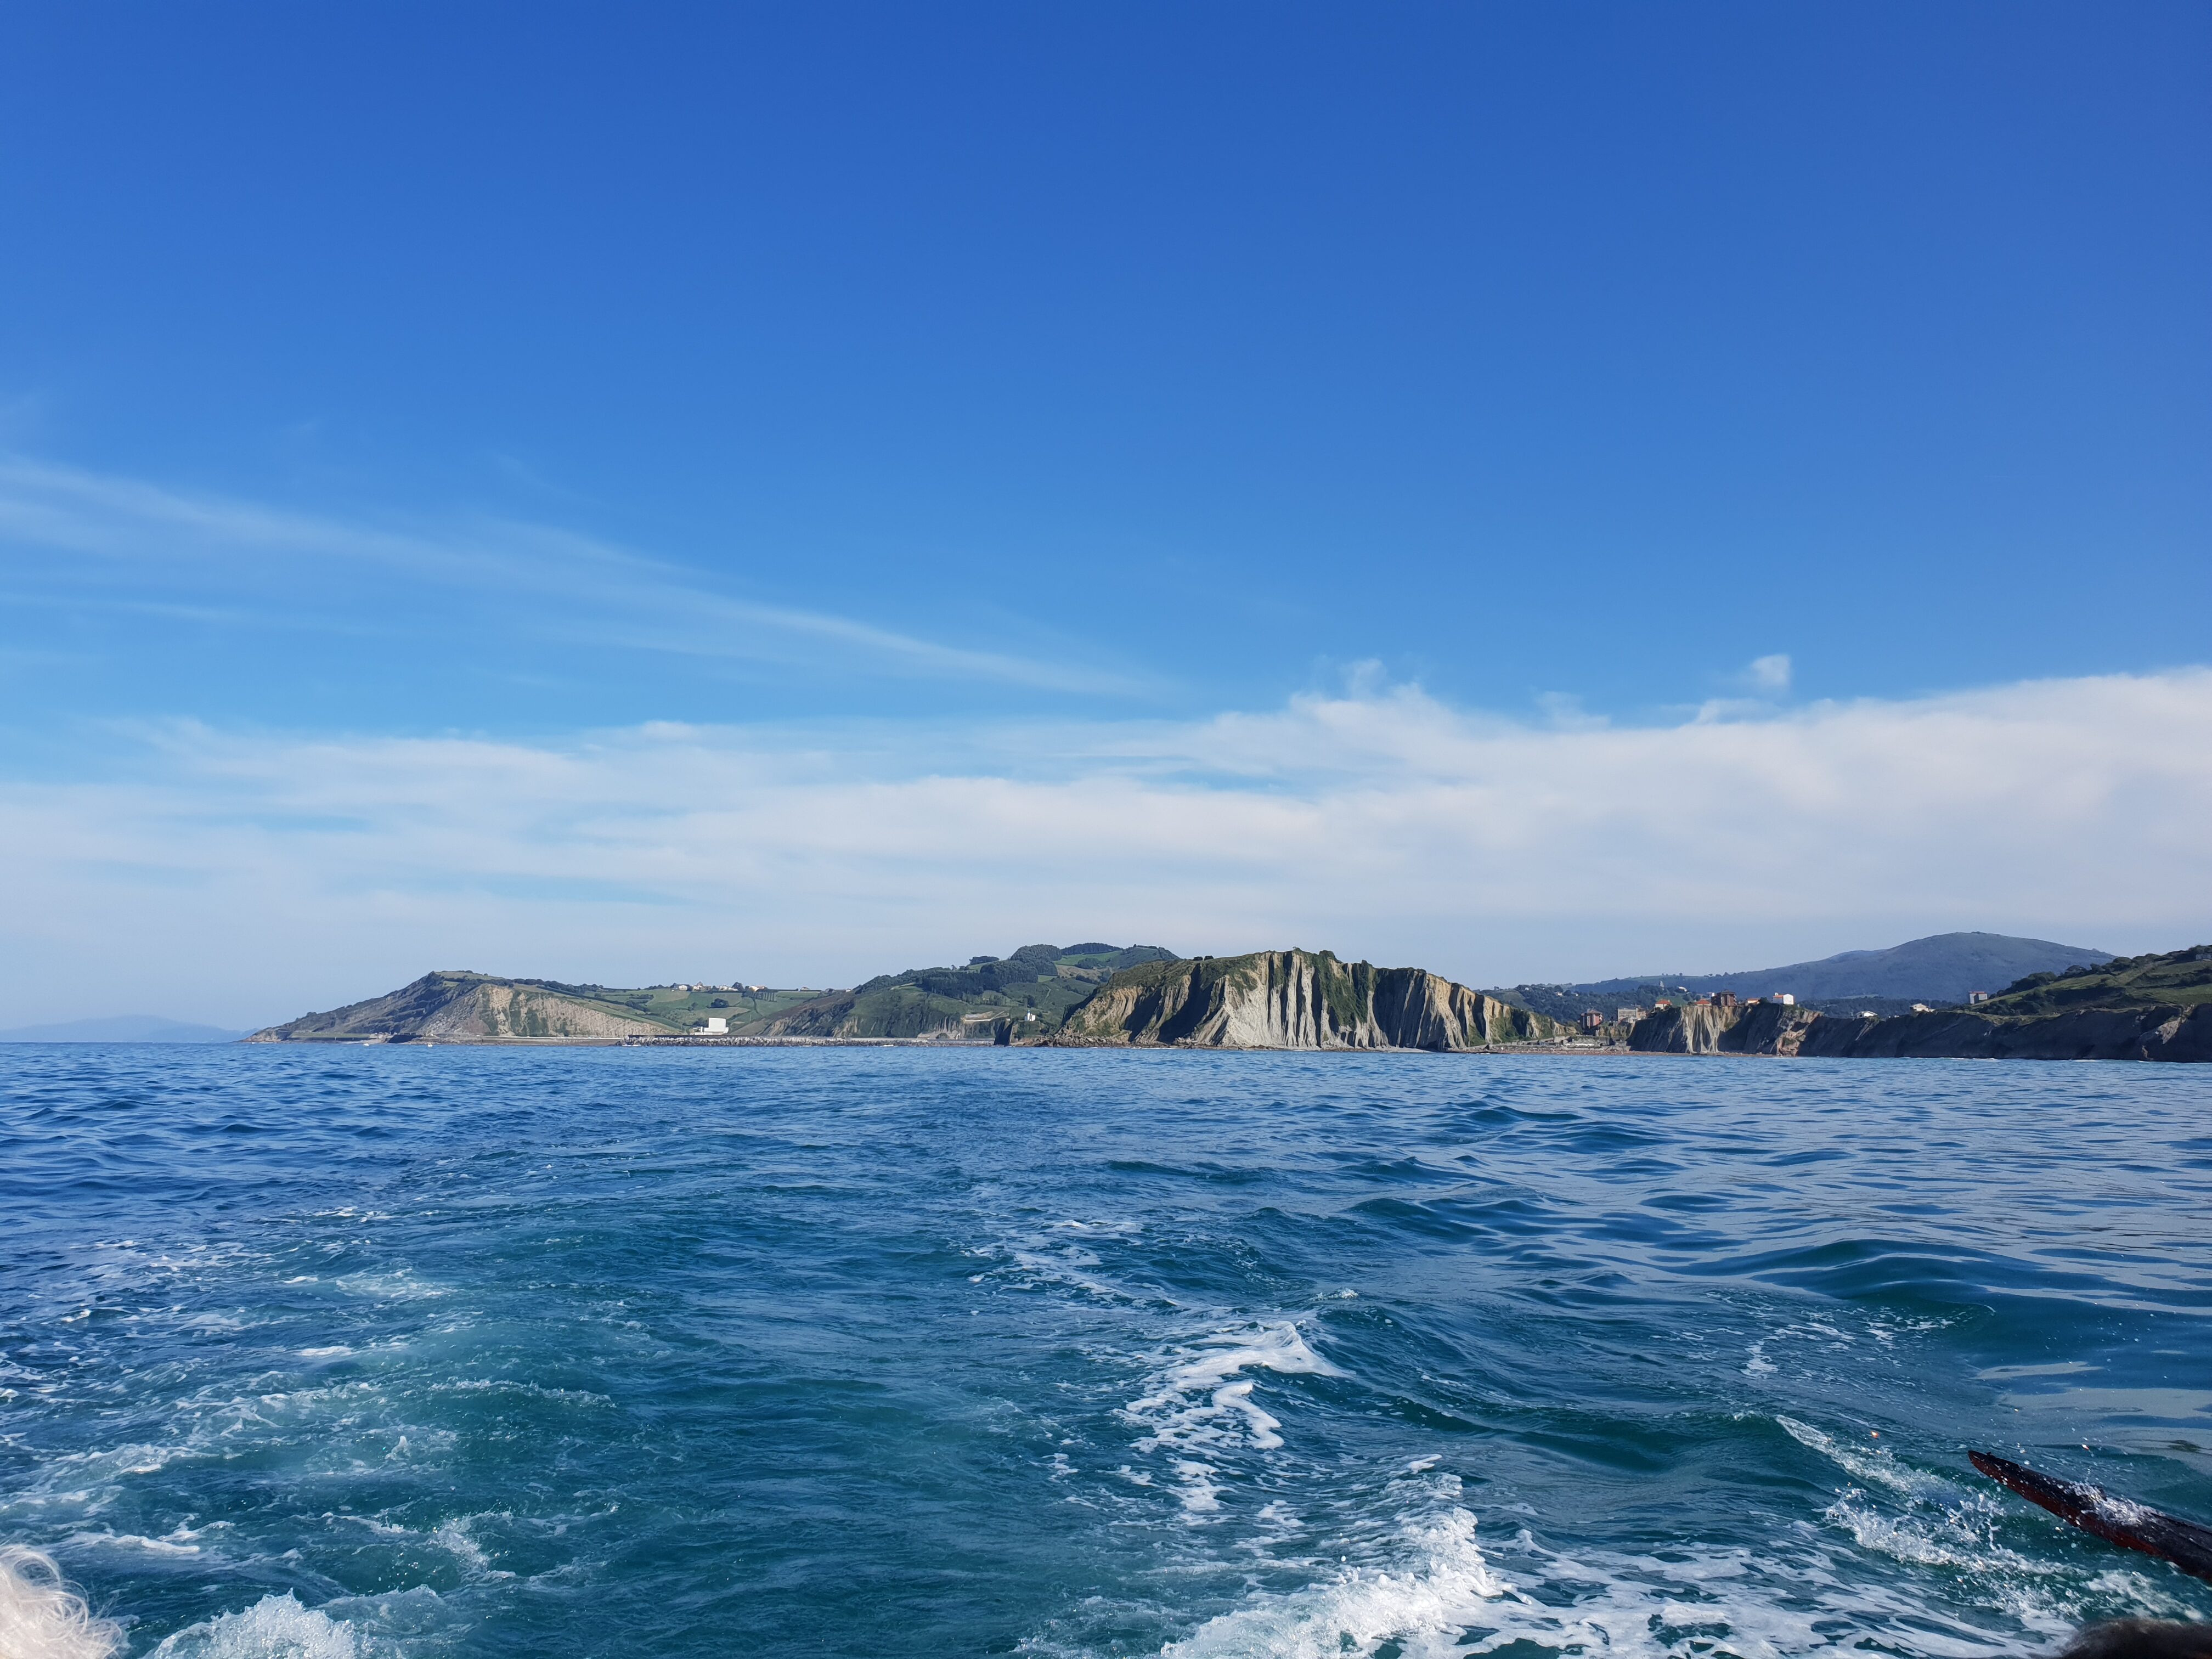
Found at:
[2166, 1032]
[458, 1007]
[1761, 1028]
[1294, 999]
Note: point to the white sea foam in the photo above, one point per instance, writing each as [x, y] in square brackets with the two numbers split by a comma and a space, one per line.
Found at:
[1066, 1266]
[1938, 1524]
[1212, 1362]
[1194, 1401]
[1874, 1464]
[2146, 1598]
[61, 1468]
[275, 1627]
[178, 1543]
[455, 1537]
[1054, 1259]
[399, 1284]
[1201, 1404]
[532, 1390]
[1442, 1597]
[1928, 1542]
[1443, 1589]
[1200, 1494]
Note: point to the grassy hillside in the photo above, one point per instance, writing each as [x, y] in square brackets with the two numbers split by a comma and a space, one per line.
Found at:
[452, 1006]
[2173, 978]
[684, 1006]
[1047, 980]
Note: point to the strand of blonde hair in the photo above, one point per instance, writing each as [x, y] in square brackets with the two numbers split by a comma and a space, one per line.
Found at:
[41, 1617]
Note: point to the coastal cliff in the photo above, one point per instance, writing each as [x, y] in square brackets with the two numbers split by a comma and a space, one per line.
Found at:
[1015, 999]
[1758, 1028]
[2166, 1032]
[1294, 999]
[463, 1007]
[2155, 1008]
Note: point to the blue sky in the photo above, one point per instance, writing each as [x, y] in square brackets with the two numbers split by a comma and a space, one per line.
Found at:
[961, 391]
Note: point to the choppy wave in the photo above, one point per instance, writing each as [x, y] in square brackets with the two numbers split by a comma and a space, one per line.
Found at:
[1194, 1401]
[1878, 1464]
[275, 1627]
[398, 1354]
[1443, 1586]
[1443, 1596]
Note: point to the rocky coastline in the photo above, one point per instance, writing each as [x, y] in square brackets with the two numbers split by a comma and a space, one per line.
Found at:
[2160, 1032]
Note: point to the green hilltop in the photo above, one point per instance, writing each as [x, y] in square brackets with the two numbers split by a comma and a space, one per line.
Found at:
[462, 1006]
[1032, 990]
[1027, 995]
[2166, 979]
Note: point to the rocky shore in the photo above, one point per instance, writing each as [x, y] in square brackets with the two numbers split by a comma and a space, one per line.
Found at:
[2161, 1031]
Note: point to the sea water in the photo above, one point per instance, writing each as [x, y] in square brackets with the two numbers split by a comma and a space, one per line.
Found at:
[337, 1353]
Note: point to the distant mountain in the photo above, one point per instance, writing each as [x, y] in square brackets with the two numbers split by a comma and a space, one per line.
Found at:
[121, 1028]
[1939, 970]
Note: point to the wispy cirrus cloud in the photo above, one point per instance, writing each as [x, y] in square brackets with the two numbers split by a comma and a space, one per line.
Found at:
[133, 545]
[297, 871]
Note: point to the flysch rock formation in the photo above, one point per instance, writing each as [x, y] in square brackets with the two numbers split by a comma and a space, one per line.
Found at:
[2166, 1032]
[461, 1008]
[1758, 1028]
[1294, 999]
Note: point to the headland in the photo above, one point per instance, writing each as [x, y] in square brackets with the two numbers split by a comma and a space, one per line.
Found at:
[1096, 995]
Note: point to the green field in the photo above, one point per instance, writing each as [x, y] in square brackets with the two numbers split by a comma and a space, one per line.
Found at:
[2171, 978]
[685, 1006]
[1046, 980]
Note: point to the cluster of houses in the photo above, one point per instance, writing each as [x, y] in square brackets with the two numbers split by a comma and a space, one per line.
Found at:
[1594, 1020]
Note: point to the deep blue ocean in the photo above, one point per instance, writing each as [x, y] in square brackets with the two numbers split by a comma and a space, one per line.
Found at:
[327, 1353]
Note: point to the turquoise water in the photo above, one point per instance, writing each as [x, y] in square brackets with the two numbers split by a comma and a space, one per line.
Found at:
[404, 1352]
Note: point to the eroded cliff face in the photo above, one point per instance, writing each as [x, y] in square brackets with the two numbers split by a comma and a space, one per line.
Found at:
[449, 1007]
[519, 1011]
[2169, 1033]
[1764, 1027]
[1294, 999]
[903, 1013]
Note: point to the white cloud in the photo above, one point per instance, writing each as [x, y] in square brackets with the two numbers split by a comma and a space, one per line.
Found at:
[235, 876]
[136, 546]
[1768, 676]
